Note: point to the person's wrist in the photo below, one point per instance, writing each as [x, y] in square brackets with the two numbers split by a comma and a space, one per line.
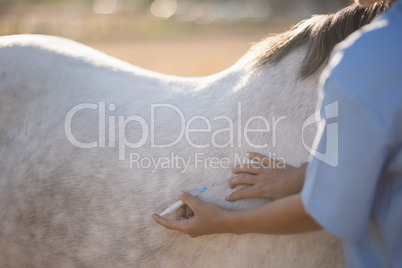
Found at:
[230, 223]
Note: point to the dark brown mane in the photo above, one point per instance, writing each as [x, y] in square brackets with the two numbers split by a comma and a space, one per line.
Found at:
[321, 33]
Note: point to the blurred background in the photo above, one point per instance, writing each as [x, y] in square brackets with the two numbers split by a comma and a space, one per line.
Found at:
[180, 37]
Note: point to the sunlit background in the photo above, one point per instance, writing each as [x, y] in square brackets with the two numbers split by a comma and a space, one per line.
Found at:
[181, 37]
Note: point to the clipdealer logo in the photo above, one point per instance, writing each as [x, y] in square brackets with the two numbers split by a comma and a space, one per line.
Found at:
[326, 132]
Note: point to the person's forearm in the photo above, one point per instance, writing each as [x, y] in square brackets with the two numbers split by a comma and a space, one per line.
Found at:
[284, 216]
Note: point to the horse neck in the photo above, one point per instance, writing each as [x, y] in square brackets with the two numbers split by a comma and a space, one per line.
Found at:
[270, 92]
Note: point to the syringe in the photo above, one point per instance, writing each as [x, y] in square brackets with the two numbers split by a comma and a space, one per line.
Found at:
[179, 203]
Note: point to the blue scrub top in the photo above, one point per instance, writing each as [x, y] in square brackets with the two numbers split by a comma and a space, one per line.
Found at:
[353, 184]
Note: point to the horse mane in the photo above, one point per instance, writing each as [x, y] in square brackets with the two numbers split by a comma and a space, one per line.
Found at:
[321, 33]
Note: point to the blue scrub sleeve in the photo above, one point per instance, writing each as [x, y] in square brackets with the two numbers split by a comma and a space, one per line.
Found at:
[340, 198]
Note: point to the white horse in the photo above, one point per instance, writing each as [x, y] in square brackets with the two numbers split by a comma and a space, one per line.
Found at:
[81, 135]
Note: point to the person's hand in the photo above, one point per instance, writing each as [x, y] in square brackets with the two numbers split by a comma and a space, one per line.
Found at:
[195, 217]
[271, 180]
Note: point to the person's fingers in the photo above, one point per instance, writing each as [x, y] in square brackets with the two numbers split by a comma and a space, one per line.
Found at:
[189, 200]
[181, 212]
[248, 168]
[265, 160]
[169, 224]
[189, 212]
[246, 192]
[243, 179]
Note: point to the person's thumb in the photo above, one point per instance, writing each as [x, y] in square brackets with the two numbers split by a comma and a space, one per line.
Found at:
[189, 200]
